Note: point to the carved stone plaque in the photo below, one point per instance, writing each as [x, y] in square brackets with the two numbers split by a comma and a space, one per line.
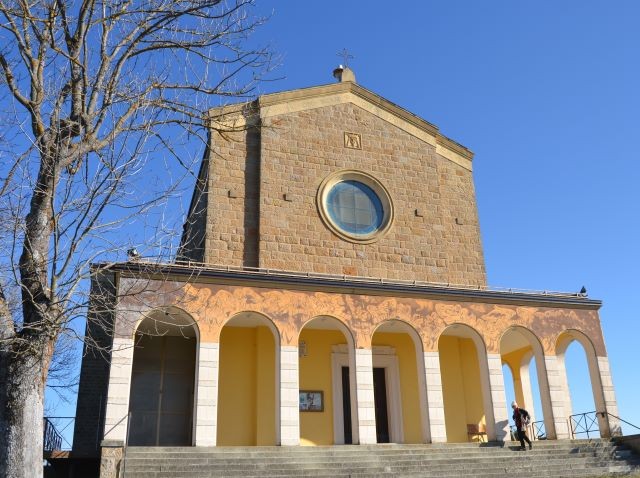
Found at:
[352, 140]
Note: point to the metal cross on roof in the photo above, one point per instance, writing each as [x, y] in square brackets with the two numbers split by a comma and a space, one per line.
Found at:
[345, 56]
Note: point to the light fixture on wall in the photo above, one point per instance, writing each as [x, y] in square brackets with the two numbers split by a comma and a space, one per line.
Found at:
[302, 349]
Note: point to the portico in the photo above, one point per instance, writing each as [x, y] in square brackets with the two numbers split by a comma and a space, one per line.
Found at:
[334, 340]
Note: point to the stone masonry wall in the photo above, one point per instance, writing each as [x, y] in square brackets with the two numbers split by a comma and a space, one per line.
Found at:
[439, 243]
[94, 374]
[232, 219]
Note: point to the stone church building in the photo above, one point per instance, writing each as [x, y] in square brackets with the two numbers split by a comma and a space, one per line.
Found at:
[330, 289]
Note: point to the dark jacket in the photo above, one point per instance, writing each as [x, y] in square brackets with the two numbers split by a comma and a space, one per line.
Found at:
[519, 416]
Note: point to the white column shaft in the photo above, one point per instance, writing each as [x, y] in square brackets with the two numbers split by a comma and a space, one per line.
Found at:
[609, 397]
[206, 417]
[559, 393]
[115, 425]
[289, 396]
[435, 399]
[498, 399]
[365, 398]
[527, 393]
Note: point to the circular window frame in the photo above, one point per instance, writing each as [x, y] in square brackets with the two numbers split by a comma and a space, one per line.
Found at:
[371, 182]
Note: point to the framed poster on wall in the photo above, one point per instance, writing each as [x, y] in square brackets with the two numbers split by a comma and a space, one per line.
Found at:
[311, 401]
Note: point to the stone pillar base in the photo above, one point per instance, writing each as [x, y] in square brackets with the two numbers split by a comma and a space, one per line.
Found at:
[111, 458]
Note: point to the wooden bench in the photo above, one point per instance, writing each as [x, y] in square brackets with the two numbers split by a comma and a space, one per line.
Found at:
[477, 431]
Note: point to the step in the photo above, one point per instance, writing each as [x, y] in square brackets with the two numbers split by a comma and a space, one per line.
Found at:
[346, 451]
[164, 463]
[570, 458]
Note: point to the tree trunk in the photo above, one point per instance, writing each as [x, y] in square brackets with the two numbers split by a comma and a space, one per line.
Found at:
[21, 412]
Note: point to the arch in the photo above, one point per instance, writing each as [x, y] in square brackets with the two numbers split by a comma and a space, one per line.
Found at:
[531, 348]
[260, 318]
[464, 391]
[465, 330]
[564, 339]
[404, 326]
[162, 397]
[327, 363]
[412, 399]
[160, 319]
[339, 324]
[249, 381]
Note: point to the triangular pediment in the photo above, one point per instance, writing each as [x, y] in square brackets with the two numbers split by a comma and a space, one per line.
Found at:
[276, 104]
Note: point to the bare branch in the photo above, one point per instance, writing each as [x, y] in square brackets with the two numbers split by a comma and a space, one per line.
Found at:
[106, 105]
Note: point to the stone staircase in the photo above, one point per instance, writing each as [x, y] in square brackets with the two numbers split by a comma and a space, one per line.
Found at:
[570, 458]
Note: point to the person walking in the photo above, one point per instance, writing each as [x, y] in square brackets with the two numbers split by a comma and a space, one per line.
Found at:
[521, 417]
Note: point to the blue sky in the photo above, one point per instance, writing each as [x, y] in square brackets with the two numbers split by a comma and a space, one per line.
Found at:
[547, 95]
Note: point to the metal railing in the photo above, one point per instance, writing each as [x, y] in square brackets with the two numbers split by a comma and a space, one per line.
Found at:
[538, 431]
[587, 423]
[623, 421]
[126, 443]
[52, 440]
[195, 267]
[584, 423]
[535, 431]
[57, 433]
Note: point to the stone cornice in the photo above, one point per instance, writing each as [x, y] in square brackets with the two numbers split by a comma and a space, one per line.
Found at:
[345, 285]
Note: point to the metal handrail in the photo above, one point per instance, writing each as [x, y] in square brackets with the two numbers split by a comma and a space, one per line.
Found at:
[623, 421]
[126, 444]
[538, 430]
[535, 430]
[588, 422]
[52, 440]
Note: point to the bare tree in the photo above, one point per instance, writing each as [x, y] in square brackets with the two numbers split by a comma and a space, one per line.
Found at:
[93, 93]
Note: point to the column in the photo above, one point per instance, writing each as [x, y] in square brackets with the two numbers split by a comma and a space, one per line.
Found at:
[609, 425]
[116, 414]
[364, 397]
[545, 395]
[435, 400]
[525, 389]
[498, 399]
[207, 394]
[559, 393]
[289, 398]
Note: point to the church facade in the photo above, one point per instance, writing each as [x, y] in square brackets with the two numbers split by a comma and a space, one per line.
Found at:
[330, 289]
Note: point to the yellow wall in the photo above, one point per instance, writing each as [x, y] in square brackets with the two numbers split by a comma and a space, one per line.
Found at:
[461, 387]
[246, 387]
[265, 390]
[514, 360]
[316, 428]
[406, 353]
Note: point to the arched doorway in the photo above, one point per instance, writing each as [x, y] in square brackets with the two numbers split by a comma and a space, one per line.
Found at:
[399, 384]
[465, 385]
[576, 354]
[163, 373]
[328, 413]
[523, 353]
[248, 395]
